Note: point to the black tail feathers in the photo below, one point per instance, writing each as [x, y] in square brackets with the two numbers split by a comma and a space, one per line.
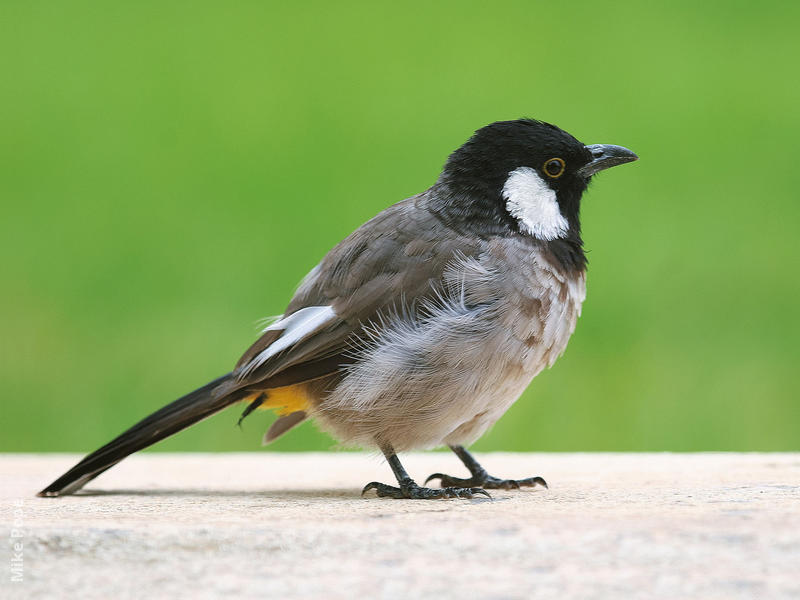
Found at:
[185, 411]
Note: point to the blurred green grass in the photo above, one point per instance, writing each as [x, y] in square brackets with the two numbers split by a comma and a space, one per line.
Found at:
[170, 170]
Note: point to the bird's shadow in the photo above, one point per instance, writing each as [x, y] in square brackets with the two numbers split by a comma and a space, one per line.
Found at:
[326, 494]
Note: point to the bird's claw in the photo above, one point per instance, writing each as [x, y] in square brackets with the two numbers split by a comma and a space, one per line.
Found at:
[412, 491]
[487, 482]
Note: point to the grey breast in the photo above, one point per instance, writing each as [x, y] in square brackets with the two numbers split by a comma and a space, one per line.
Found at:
[447, 367]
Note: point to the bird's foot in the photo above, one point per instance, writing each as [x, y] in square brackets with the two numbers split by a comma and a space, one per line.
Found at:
[482, 479]
[410, 490]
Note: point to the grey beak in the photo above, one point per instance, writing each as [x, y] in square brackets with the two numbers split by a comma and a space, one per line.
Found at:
[605, 156]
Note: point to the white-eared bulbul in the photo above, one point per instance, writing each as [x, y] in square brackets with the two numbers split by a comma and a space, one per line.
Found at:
[424, 325]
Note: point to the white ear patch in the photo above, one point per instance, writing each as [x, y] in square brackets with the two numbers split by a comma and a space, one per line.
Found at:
[534, 205]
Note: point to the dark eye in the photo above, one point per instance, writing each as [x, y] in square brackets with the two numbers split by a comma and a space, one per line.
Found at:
[554, 167]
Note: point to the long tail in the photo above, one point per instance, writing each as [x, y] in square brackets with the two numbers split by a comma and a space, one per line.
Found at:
[185, 411]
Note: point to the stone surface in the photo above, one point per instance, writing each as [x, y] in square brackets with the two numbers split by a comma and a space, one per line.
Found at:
[271, 525]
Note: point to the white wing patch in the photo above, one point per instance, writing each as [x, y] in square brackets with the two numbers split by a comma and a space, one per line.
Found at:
[531, 201]
[296, 327]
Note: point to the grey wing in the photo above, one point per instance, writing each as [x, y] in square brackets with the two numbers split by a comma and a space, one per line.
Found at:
[390, 264]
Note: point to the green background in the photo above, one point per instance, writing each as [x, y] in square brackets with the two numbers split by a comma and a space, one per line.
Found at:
[169, 171]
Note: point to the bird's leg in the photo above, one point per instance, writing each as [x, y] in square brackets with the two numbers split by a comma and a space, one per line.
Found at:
[480, 477]
[408, 488]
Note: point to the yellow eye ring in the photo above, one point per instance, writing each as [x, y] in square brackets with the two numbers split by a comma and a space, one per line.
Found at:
[554, 167]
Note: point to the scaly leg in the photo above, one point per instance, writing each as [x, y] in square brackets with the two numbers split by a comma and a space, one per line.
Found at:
[408, 488]
[480, 477]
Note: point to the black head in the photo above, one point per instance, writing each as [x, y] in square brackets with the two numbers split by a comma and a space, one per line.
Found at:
[528, 174]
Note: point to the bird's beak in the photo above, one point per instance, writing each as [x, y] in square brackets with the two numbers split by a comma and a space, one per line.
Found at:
[605, 156]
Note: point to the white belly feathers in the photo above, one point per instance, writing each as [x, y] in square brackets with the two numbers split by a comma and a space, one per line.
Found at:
[445, 373]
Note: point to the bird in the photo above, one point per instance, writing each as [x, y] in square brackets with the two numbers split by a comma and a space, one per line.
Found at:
[424, 325]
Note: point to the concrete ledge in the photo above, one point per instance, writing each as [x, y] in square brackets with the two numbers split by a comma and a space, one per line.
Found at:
[271, 525]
